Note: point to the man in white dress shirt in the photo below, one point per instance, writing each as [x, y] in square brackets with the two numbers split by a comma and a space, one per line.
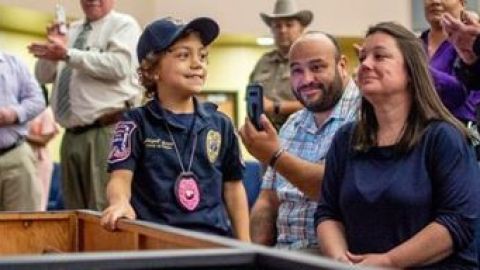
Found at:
[93, 68]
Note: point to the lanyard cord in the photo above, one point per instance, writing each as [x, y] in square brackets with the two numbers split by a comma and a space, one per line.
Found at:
[189, 134]
[177, 152]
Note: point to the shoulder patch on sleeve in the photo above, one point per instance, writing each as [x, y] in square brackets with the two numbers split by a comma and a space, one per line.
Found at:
[121, 147]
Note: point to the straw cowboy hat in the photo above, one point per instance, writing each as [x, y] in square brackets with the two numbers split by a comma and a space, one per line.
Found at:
[288, 9]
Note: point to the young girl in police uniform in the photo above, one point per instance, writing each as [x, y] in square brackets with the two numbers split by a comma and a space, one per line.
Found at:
[176, 160]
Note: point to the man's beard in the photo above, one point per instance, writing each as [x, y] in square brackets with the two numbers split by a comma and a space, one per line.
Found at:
[330, 95]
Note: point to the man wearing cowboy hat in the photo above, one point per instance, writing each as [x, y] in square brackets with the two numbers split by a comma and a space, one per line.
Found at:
[287, 23]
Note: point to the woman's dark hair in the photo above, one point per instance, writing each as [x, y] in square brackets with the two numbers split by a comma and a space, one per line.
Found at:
[426, 105]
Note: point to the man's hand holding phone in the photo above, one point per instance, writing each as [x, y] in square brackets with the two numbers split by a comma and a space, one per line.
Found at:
[262, 144]
[258, 134]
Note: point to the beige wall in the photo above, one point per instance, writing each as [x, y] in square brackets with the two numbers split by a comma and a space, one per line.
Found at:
[228, 69]
[230, 61]
[340, 17]
[142, 9]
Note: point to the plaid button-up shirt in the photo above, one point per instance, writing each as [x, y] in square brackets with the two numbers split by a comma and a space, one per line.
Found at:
[300, 136]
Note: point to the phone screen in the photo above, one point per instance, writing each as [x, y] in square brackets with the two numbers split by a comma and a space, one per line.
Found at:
[254, 98]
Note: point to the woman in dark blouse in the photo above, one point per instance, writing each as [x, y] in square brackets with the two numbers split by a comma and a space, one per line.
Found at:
[403, 191]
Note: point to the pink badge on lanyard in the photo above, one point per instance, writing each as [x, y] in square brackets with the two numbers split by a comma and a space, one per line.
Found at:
[187, 191]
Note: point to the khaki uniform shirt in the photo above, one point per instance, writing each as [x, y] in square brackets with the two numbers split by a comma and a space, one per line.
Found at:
[272, 71]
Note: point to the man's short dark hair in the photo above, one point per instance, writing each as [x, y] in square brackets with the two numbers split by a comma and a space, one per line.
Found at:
[338, 51]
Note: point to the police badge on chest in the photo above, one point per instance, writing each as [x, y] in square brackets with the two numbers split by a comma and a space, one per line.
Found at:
[187, 191]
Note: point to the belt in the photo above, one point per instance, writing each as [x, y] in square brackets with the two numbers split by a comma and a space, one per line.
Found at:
[103, 121]
[11, 147]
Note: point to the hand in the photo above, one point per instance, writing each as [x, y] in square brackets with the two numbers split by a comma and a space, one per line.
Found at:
[53, 30]
[469, 17]
[343, 259]
[8, 116]
[115, 212]
[462, 35]
[261, 144]
[268, 106]
[370, 259]
[55, 49]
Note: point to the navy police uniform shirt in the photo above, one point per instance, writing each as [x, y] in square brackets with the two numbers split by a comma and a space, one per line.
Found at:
[142, 144]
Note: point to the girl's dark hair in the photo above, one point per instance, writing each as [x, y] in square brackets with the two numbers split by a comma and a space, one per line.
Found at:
[147, 73]
[426, 105]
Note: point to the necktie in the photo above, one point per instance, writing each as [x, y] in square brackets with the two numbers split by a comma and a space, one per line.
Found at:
[63, 91]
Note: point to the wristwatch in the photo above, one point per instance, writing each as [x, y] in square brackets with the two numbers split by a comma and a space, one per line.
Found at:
[276, 107]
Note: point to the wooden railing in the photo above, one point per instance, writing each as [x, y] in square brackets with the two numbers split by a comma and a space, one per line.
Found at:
[80, 231]
[75, 240]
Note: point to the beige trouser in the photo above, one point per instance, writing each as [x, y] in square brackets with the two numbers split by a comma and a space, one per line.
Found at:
[19, 188]
[83, 159]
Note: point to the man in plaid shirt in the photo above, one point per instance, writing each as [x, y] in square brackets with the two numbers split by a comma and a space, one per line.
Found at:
[283, 213]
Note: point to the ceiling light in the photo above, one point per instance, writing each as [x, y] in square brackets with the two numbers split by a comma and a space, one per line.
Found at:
[265, 41]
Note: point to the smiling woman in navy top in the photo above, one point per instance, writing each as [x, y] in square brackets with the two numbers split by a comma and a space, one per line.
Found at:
[402, 192]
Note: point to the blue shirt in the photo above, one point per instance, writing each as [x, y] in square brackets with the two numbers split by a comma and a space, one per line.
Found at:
[383, 198]
[143, 145]
[301, 136]
[19, 91]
